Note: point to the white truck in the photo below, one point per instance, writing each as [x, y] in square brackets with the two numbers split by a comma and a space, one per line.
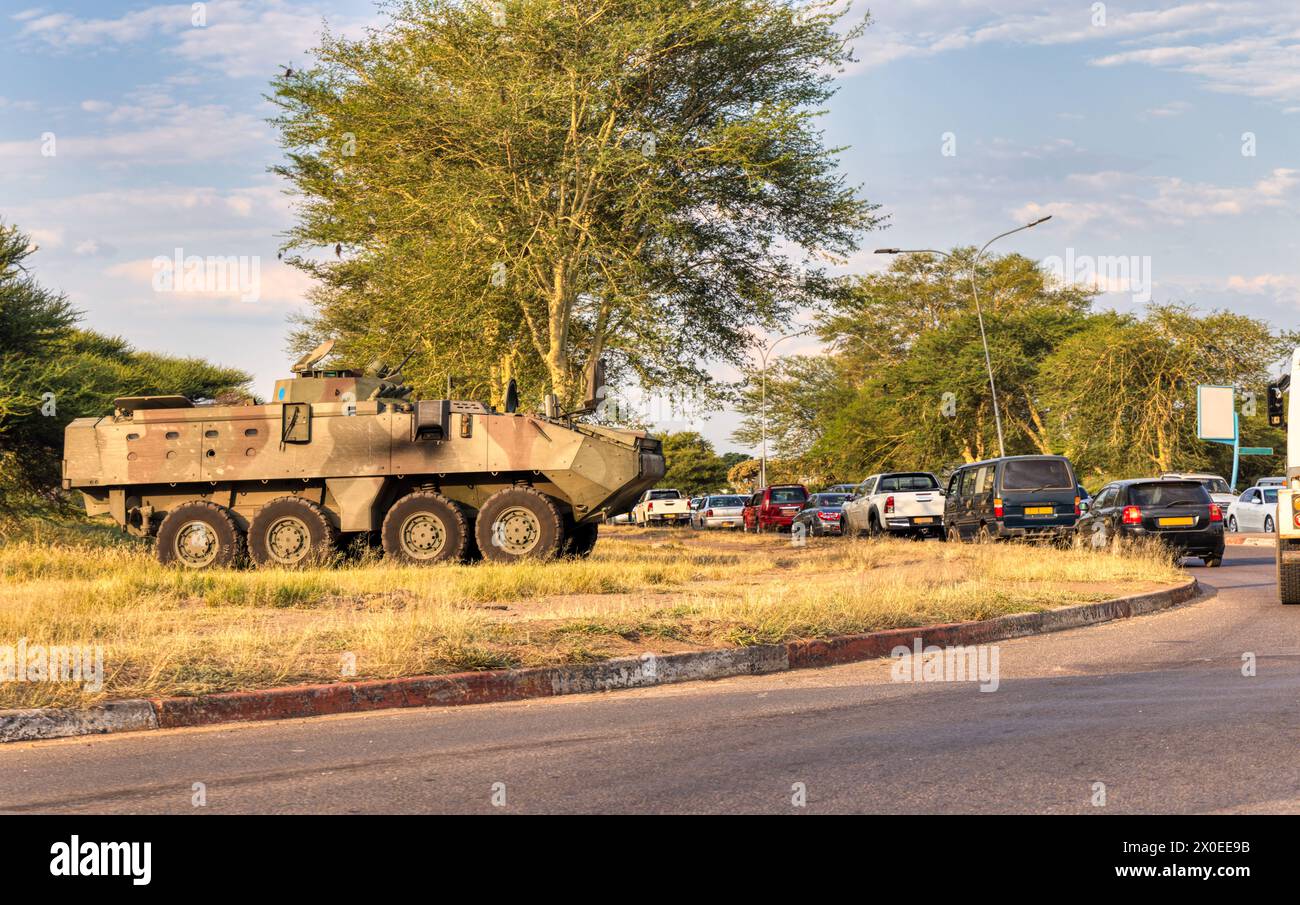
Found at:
[661, 507]
[900, 502]
[1288, 497]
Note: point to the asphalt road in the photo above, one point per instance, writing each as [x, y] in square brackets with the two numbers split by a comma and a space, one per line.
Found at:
[1156, 708]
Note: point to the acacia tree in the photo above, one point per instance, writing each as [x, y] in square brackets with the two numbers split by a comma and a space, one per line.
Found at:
[906, 380]
[1122, 393]
[523, 187]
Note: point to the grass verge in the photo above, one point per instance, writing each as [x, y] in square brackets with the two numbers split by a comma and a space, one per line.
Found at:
[167, 632]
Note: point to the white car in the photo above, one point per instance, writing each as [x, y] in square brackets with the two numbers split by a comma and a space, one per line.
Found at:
[1254, 510]
[901, 502]
[1218, 488]
[1271, 482]
[661, 507]
[721, 511]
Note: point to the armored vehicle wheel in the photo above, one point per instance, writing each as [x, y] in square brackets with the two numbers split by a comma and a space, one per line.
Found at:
[424, 527]
[580, 540]
[519, 523]
[199, 535]
[290, 532]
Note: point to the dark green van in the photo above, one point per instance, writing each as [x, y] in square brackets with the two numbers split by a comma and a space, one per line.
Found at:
[1015, 496]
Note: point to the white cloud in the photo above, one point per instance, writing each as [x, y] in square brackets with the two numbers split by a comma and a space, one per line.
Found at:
[241, 38]
[172, 134]
[1236, 46]
[46, 238]
[1133, 200]
[1171, 109]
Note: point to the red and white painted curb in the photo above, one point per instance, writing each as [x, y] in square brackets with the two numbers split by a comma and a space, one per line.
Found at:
[518, 684]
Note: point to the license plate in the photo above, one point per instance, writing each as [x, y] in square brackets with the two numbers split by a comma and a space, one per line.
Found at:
[1180, 520]
[1038, 510]
[923, 521]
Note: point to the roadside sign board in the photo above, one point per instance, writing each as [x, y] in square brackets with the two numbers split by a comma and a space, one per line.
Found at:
[1216, 419]
[1256, 451]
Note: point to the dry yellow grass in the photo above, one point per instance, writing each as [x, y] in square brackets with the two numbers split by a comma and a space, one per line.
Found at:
[166, 631]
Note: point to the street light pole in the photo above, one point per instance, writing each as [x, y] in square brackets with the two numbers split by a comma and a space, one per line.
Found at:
[762, 416]
[979, 312]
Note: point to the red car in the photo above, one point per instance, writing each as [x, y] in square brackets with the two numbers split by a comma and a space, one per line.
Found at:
[774, 507]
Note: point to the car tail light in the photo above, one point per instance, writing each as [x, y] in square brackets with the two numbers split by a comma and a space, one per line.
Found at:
[1077, 510]
[889, 505]
[649, 506]
[708, 513]
[1133, 515]
[997, 508]
[1216, 514]
[828, 516]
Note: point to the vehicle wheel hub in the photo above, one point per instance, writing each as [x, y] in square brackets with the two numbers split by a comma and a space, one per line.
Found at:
[196, 544]
[517, 531]
[288, 540]
[423, 536]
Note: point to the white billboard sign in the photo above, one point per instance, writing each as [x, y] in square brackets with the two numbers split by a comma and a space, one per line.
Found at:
[1215, 414]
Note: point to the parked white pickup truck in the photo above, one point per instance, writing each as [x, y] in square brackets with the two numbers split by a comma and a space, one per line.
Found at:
[661, 507]
[904, 502]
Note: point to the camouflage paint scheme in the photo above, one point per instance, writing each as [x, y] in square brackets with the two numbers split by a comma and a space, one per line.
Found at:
[154, 453]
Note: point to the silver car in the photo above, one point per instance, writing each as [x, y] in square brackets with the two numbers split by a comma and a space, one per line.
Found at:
[719, 512]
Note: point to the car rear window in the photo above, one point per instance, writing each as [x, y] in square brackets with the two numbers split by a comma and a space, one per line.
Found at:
[1168, 493]
[901, 483]
[788, 495]
[829, 499]
[665, 495]
[721, 501]
[1037, 474]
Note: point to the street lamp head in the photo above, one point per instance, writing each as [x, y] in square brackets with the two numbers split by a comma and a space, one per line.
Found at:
[888, 251]
[1041, 220]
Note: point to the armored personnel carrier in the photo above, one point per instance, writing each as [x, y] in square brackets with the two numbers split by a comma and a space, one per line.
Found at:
[339, 452]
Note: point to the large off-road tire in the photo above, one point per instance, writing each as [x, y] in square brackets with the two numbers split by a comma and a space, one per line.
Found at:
[1288, 577]
[291, 533]
[1268, 524]
[519, 523]
[200, 535]
[874, 528]
[423, 528]
[953, 535]
[580, 540]
[984, 535]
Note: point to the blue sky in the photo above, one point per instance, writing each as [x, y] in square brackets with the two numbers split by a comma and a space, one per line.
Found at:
[1125, 121]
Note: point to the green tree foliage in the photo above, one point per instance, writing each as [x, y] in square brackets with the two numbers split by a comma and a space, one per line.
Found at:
[1122, 392]
[905, 385]
[518, 189]
[52, 372]
[694, 467]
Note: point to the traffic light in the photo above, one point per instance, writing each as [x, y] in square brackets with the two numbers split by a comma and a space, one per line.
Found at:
[1276, 409]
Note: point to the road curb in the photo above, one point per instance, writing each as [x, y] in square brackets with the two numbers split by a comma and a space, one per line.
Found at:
[519, 684]
[1251, 540]
[852, 648]
[52, 722]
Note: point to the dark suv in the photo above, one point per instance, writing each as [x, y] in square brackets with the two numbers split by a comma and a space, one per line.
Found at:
[1015, 496]
[1180, 514]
